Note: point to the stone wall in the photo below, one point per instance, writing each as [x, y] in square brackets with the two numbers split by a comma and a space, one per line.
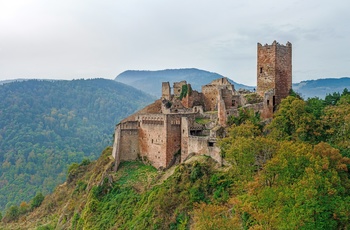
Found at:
[204, 146]
[283, 71]
[129, 145]
[211, 91]
[269, 104]
[177, 87]
[184, 138]
[173, 136]
[116, 147]
[166, 92]
[266, 68]
[274, 69]
[222, 109]
[126, 142]
[210, 95]
[152, 138]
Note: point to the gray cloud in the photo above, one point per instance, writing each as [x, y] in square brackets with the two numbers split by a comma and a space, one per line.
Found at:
[75, 39]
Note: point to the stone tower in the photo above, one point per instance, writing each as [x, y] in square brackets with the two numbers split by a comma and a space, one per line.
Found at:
[274, 70]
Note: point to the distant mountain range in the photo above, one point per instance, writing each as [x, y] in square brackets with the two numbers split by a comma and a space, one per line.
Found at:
[151, 81]
[321, 87]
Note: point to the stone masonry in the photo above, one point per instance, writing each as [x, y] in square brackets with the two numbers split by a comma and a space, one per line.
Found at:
[181, 124]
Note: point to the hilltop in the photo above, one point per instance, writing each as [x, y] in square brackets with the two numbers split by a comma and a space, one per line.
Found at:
[291, 173]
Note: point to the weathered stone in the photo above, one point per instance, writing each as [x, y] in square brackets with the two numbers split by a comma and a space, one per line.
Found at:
[168, 126]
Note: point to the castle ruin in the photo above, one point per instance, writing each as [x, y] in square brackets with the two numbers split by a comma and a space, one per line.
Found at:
[184, 121]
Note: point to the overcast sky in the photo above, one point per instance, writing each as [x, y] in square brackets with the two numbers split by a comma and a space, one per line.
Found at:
[89, 38]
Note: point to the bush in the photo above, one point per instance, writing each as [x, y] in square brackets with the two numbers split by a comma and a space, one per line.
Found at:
[86, 161]
[12, 214]
[37, 200]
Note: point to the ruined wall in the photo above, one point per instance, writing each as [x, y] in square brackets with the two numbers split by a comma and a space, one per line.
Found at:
[173, 136]
[274, 69]
[227, 97]
[204, 146]
[283, 71]
[126, 142]
[177, 87]
[266, 68]
[116, 147]
[129, 144]
[187, 101]
[194, 98]
[166, 92]
[268, 105]
[184, 138]
[222, 109]
[210, 95]
[152, 138]
[223, 82]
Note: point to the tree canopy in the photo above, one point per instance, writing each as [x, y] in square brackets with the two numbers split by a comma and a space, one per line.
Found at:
[47, 125]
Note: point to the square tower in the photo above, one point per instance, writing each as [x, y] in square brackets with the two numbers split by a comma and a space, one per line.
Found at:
[274, 70]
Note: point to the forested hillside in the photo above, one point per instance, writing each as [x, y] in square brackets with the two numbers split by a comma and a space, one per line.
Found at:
[47, 125]
[289, 174]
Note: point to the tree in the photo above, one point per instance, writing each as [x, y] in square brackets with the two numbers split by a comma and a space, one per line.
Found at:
[294, 120]
[37, 200]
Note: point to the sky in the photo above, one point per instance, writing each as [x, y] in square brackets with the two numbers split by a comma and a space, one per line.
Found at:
[74, 39]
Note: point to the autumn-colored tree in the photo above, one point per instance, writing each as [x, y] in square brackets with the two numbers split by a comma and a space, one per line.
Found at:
[211, 216]
[301, 187]
[337, 123]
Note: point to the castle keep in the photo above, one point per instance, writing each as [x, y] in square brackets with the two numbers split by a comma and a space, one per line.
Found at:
[274, 74]
[184, 122]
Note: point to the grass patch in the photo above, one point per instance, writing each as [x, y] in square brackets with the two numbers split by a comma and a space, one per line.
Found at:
[202, 121]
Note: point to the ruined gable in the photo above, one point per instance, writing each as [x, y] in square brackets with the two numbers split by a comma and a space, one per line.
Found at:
[211, 91]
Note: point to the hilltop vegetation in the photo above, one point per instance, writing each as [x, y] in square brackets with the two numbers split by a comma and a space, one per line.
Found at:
[47, 125]
[289, 174]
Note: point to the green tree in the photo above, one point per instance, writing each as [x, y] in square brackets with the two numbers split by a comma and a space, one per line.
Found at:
[294, 120]
[37, 200]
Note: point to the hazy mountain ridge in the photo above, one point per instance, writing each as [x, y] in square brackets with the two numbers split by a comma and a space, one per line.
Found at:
[321, 87]
[151, 81]
[46, 125]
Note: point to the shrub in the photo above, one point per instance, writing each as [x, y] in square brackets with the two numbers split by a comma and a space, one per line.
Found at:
[11, 214]
[37, 200]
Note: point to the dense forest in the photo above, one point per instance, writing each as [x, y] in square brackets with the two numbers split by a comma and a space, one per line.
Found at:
[47, 125]
[290, 173]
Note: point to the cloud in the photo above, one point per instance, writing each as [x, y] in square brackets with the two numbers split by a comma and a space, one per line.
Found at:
[75, 39]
